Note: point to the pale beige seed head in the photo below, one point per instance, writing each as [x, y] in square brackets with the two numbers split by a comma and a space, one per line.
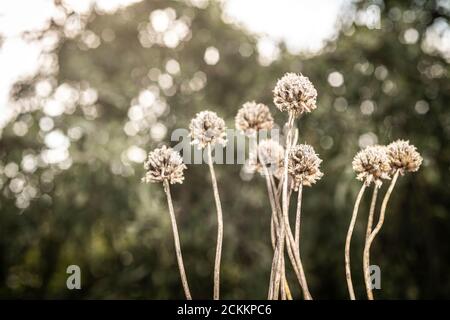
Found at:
[207, 128]
[253, 117]
[372, 165]
[403, 157]
[164, 164]
[271, 155]
[303, 166]
[295, 93]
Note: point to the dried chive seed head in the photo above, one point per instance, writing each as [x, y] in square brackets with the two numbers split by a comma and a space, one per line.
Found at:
[303, 166]
[207, 128]
[253, 117]
[270, 154]
[372, 165]
[164, 164]
[295, 93]
[403, 157]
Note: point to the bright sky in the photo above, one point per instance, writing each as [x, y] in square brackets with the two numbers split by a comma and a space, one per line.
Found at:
[303, 24]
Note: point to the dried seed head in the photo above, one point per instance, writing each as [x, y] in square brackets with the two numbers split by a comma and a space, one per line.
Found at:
[253, 117]
[295, 93]
[303, 166]
[270, 155]
[372, 164]
[403, 157]
[206, 128]
[164, 164]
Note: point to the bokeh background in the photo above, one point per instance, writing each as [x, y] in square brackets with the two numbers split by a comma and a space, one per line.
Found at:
[91, 86]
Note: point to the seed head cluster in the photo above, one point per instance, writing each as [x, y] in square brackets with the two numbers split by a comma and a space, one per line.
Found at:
[372, 165]
[295, 94]
[164, 164]
[270, 155]
[253, 117]
[403, 157]
[207, 128]
[303, 166]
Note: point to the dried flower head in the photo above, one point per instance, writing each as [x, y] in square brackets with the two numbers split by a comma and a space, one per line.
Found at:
[403, 156]
[372, 164]
[206, 128]
[271, 155]
[303, 166]
[253, 117]
[295, 93]
[164, 164]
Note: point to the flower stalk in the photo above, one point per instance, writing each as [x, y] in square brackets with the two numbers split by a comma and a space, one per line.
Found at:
[375, 231]
[366, 254]
[219, 226]
[348, 272]
[176, 239]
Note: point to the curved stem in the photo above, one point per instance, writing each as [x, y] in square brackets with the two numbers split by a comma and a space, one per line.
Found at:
[348, 272]
[283, 280]
[285, 203]
[219, 227]
[273, 236]
[176, 239]
[274, 232]
[295, 260]
[279, 261]
[298, 217]
[288, 290]
[378, 227]
[366, 255]
[294, 255]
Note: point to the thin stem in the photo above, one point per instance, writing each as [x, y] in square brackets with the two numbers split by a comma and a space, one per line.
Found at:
[298, 217]
[274, 224]
[279, 262]
[219, 227]
[294, 255]
[290, 251]
[348, 272]
[287, 289]
[285, 204]
[176, 239]
[272, 274]
[298, 262]
[366, 255]
[274, 234]
[283, 280]
[378, 227]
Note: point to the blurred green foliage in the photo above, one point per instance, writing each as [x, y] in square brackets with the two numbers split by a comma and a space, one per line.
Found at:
[91, 210]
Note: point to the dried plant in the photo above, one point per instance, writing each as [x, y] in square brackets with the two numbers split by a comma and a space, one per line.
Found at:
[371, 165]
[166, 165]
[270, 155]
[403, 158]
[366, 254]
[270, 161]
[207, 129]
[286, 170]
[253, 117]
[303, 168]
[295, 93]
